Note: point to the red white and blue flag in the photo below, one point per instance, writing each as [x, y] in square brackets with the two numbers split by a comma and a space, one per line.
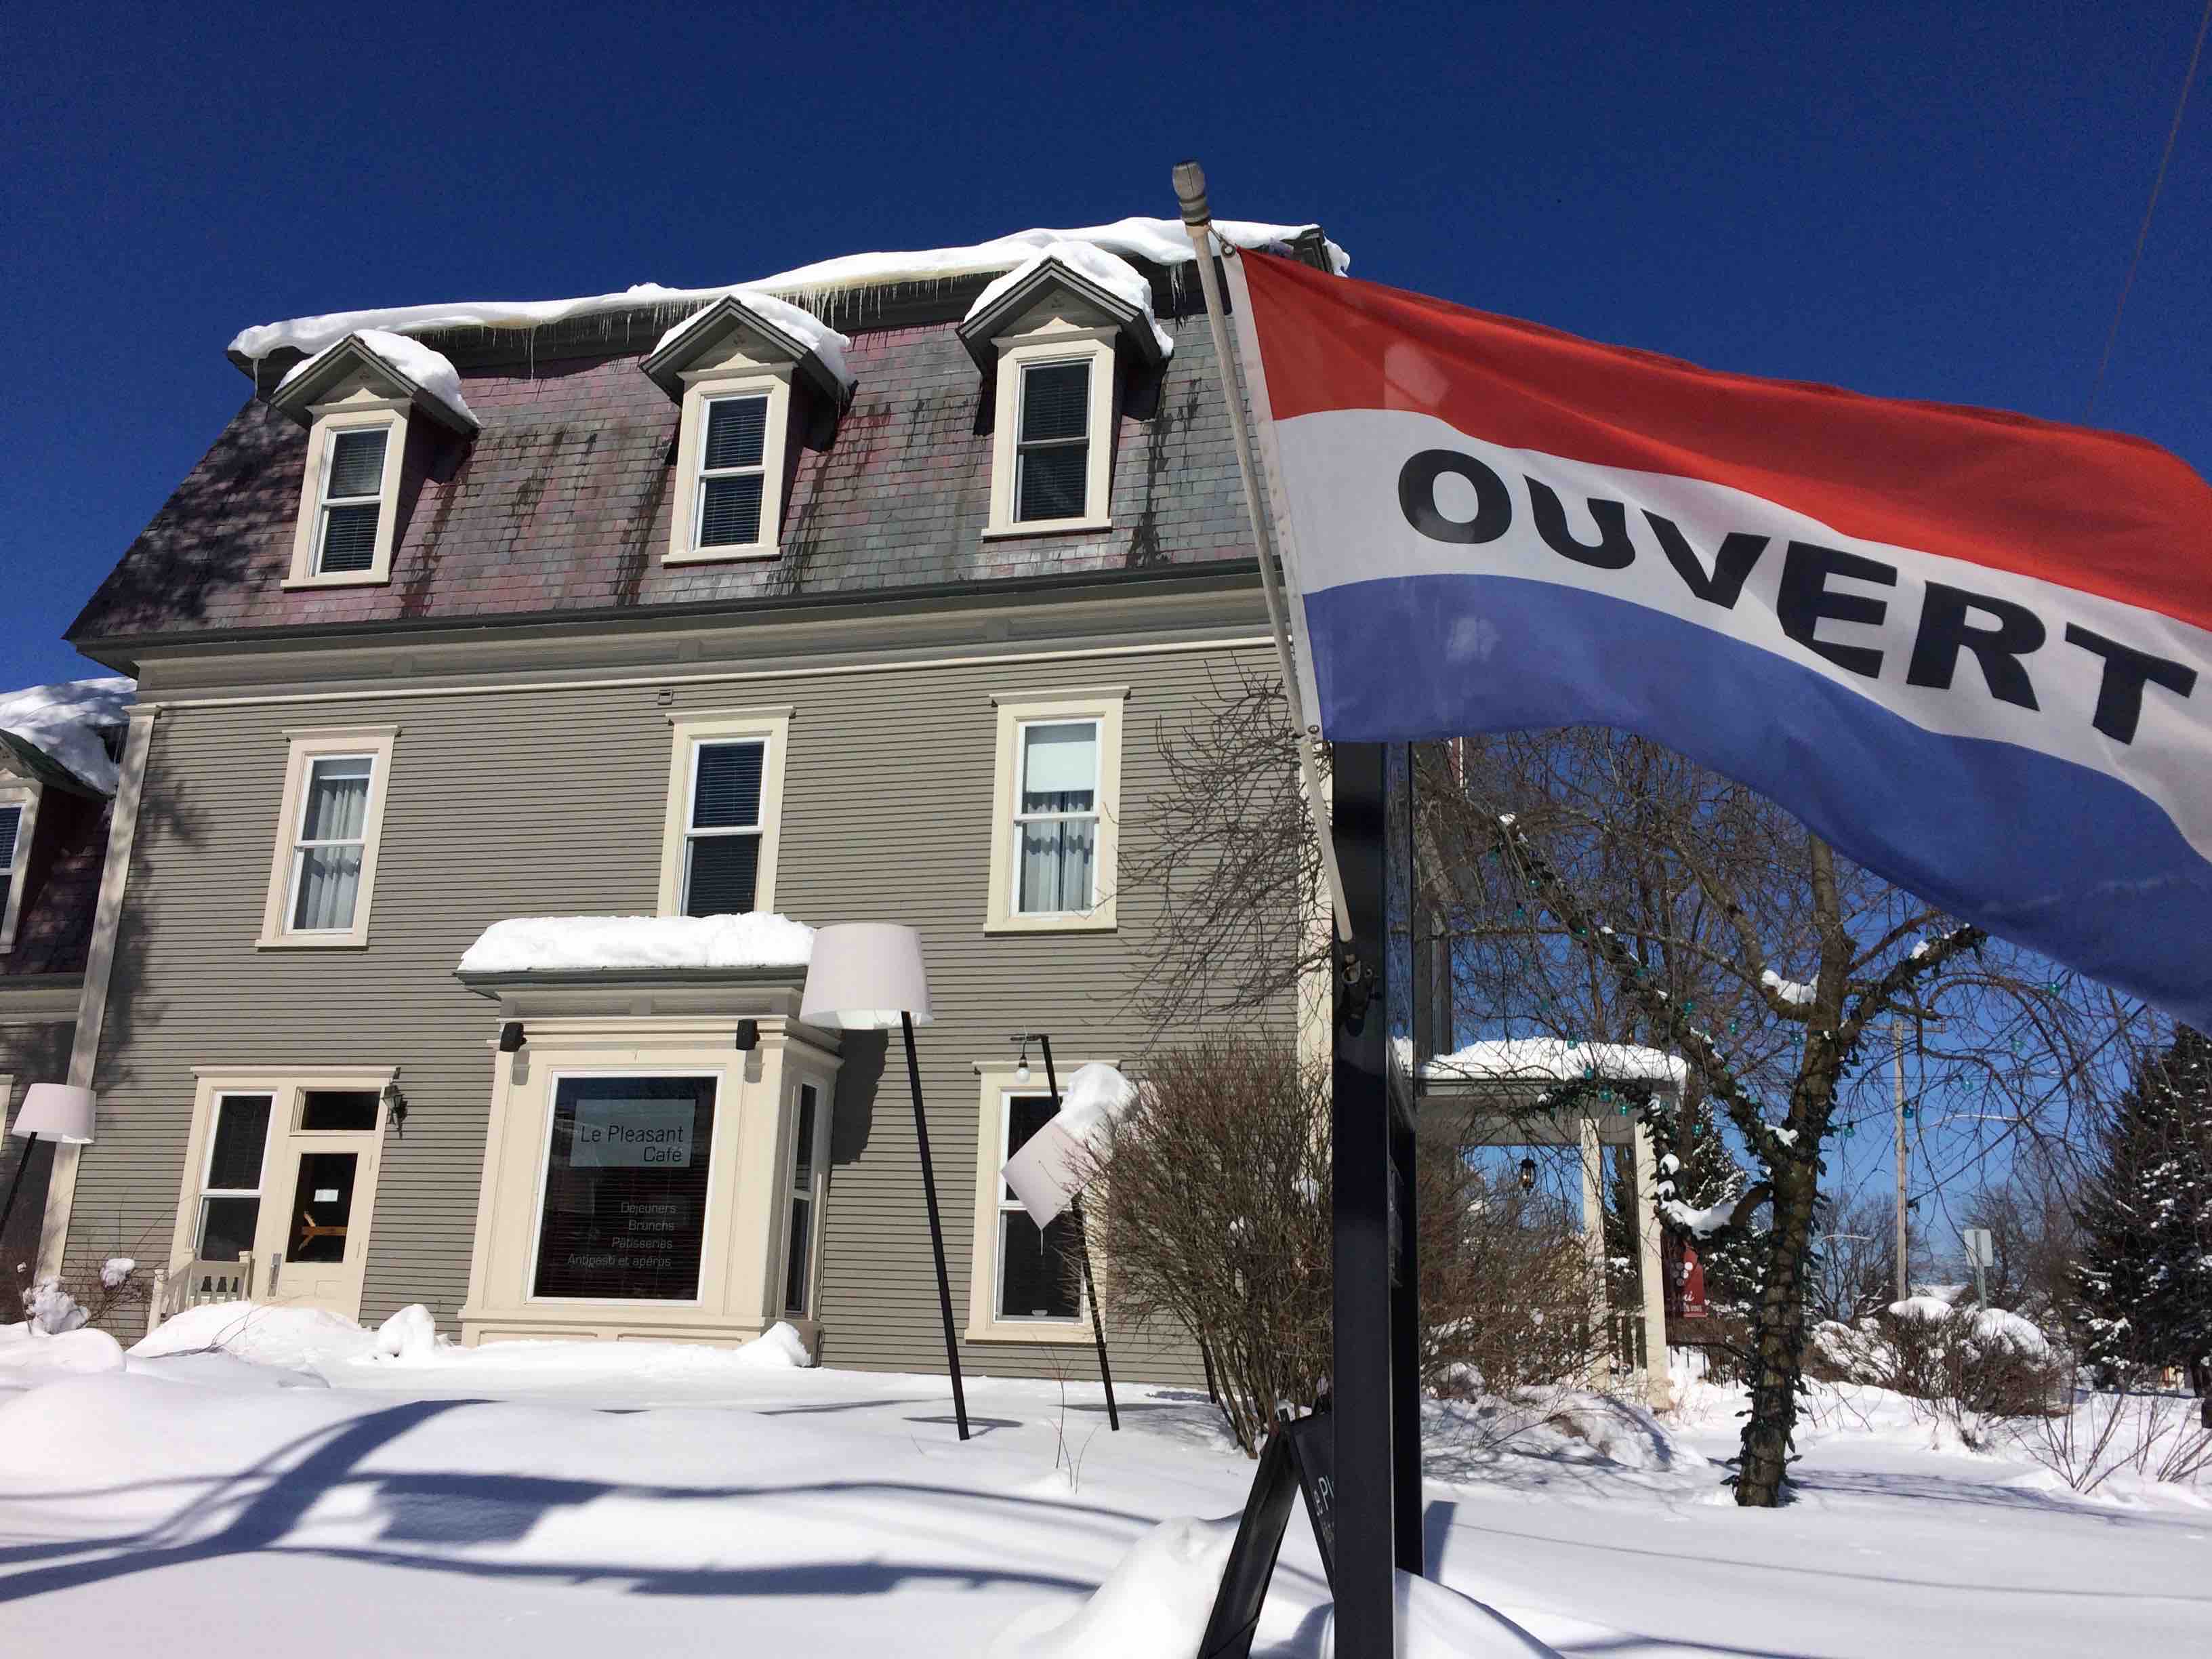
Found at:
[1971, 649]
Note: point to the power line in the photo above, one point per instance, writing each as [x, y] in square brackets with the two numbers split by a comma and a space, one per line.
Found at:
[2143, 235]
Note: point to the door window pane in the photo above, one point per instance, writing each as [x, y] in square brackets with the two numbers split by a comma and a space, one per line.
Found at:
[322, 1206]
[1037, 1266]
[625, 1204]
[339, 1110]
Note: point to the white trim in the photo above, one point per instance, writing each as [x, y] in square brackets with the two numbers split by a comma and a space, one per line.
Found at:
[21, 796]
[354, 414]
[728, 676]
[817, 1196]
[688, 730]
[1017, 354]
[1104, 705]
[995, 1083]
[553, 1082]
[703, 388]
[307, 746]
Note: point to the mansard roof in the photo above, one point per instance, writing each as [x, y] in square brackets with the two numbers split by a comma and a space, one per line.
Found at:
[560, 502]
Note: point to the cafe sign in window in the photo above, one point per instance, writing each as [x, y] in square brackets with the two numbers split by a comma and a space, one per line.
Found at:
[624, 1217]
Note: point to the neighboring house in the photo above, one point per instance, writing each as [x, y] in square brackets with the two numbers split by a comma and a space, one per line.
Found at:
[59, 748]
[660, 604]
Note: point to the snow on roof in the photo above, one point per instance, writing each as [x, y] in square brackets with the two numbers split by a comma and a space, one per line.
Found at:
[1160, 242]
[63, 722]
[584, 945]
[1550, 1060]
[433, 371]
[824, 341]
[1109, 271]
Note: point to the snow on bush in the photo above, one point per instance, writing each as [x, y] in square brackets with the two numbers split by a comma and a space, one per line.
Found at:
[116, 1269]
[522, 945]
[52, 1310]
[410, 1334]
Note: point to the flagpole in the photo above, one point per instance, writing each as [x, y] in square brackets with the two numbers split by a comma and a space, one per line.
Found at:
[1198, 221]
[1368, 1273]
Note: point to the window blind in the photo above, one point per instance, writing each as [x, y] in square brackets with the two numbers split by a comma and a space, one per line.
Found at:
[723, 875]
[11, 821]
[1055, 402]
[356, 464]
[727, 793]
[349, 537]
[737, 428]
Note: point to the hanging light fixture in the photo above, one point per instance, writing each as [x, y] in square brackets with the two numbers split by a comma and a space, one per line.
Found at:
[1022, 1065]
[1528, 1174]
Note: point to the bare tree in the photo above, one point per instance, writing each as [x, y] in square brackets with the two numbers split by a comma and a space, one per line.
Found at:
[1595, 886]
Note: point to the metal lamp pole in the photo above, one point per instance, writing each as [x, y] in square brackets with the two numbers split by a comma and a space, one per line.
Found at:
[1083, 1254]
[1897, 1055]
[936, 1226]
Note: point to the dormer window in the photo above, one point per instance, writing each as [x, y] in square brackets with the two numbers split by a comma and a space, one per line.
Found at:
[757, 379]
[1061, 336]
[732, 473]
[373, 404]
[1052, 471]
[353, 500]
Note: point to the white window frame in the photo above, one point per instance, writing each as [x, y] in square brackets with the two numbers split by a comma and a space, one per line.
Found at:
[1016, 354]
[306, 746]
[271, 1130]
[286, 1086]
[817, 1194]
[702, 387]
[725, 1103]
[688, 731]
[21, 797]
[356, 413]
[1104, 705]
[996, 1082]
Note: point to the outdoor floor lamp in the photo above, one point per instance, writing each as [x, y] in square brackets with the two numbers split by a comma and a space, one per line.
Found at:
[868, 976]
[56, 1110]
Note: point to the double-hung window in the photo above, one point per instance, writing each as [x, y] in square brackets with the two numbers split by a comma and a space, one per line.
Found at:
[230, 1189]
[722, 840]
[354, 460]
[806, 1167]
[1056, 806]
[331, 841]
[732, 473]
[324, 874]
[1052, 458]
[725, 792]
[1056, 819]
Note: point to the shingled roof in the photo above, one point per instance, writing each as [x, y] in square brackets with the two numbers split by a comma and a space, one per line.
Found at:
[560, 504]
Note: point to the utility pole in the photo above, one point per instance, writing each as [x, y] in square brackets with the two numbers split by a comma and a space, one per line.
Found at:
[1904, 1237]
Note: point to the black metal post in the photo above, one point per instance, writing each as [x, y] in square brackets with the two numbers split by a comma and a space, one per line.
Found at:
[1362, 1224]
[936, 1227]
[30, 1142]
[1402, 912]
[1083, 1254]
[1206, 1353]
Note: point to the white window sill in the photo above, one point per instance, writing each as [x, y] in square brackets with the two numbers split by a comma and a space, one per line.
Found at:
[1101, 920]
[1045, 528]
[349, 578]
[312, 942]
[1073, 1333]
[722, 555]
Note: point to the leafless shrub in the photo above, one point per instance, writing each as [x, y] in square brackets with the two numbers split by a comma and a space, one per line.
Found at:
[1211, 1206]
[1968, 1369]
[2153, 1435]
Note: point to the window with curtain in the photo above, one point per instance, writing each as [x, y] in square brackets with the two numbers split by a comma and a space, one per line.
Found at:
[799, 1254]
[1056, 818]
[731, 475]
[722, 840]
[1036, 1265]
[326, 854]
[230, 1196]
[353, 498]
[1052, 456]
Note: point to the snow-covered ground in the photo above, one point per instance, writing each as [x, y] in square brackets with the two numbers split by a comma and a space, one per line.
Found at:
[323, 1497]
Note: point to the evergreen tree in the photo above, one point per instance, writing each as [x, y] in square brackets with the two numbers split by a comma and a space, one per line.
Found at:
[2145, 1282]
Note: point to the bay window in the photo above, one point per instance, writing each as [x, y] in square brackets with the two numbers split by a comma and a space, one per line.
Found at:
[623, 1215]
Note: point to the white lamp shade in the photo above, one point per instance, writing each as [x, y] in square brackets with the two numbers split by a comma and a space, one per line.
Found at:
[57, 1111]
[864, 976]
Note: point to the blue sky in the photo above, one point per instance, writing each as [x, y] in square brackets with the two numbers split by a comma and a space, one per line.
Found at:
[1928, 201]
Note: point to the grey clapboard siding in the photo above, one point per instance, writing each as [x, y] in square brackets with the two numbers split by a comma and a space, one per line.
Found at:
[538, 803]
